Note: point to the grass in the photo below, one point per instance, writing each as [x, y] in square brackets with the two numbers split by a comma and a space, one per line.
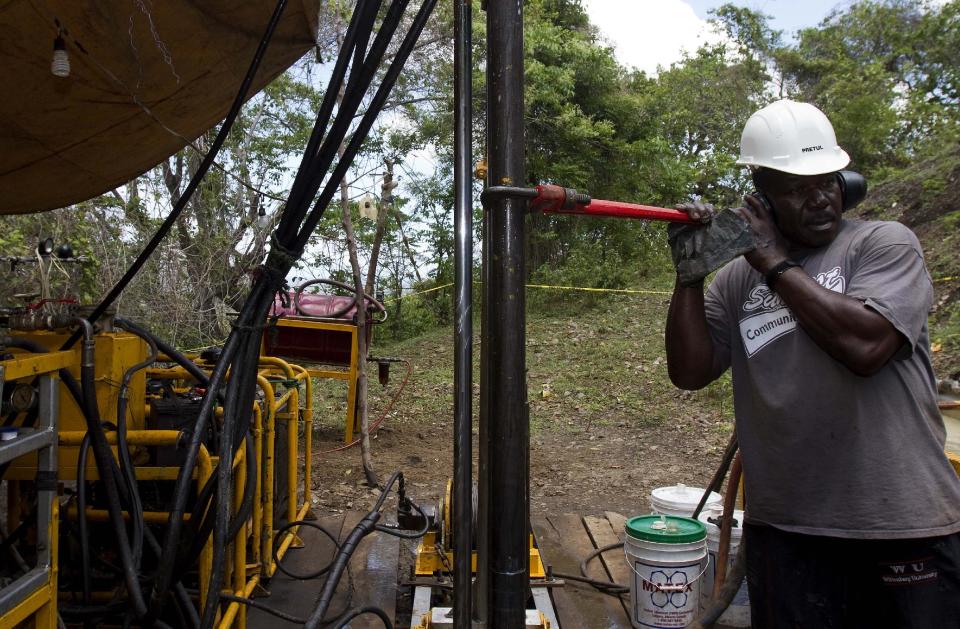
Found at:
[586, 366]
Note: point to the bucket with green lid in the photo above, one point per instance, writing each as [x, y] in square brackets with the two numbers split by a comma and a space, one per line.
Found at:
[668, 557]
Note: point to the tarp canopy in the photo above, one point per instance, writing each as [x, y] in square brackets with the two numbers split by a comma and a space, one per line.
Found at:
[145, 76]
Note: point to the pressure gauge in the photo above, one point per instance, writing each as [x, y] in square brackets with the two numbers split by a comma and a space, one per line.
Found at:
[23, 398]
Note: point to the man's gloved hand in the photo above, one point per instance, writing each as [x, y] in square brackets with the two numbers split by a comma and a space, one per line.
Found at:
[698, 250]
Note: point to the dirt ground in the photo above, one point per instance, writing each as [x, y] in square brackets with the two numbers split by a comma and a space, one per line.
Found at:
[609, 469]
[605, 430]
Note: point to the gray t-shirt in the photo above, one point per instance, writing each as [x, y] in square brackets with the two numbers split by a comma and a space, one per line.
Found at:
[827, 452]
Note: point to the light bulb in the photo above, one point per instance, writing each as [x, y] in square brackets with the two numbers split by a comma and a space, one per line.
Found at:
[60, 66]
[263, 221]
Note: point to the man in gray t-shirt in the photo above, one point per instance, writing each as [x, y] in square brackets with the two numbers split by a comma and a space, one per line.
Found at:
[853, 510]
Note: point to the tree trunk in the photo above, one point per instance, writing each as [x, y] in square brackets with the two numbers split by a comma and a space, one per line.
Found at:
[386, 200]
[365, 454]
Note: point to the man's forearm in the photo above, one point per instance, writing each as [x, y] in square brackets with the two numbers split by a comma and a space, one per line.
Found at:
[842, 326]
[690, 358]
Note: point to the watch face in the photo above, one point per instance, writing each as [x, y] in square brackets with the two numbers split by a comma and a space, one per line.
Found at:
[22, 398]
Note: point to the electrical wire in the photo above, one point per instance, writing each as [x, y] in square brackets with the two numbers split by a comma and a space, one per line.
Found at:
[282, 615]
[383, 414]
[379, 613]
[341, 561]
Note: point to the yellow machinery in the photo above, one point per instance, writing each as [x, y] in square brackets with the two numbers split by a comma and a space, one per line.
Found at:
[41, 513]
[34, 593]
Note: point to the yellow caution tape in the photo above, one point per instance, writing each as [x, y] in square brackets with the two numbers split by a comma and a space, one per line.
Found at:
[603, 290]
[635, 291]
[429, 290]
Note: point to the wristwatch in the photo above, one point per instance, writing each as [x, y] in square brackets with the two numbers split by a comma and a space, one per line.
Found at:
[774, 274]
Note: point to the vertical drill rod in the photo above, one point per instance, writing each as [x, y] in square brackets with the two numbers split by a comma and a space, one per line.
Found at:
[507, 416]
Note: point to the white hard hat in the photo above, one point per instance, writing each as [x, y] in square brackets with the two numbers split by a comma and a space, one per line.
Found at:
[791, 137]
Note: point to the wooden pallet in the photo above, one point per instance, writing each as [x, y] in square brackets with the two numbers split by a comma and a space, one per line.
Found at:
[565, 540]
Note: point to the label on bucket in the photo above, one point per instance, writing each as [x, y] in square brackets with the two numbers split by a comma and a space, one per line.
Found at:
[665, 597]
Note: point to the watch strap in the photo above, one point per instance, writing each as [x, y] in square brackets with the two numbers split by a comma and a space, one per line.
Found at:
[774, 274]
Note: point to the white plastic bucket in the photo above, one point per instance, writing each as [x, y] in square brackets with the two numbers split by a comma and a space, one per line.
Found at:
[738, 614]
[682, 500]
[668, 557]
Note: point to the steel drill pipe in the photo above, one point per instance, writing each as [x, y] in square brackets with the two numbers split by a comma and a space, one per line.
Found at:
[463, 316]
[507, 433]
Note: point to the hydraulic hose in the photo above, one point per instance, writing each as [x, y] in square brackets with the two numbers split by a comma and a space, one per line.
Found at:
[188, 365]
[290, 219]
[135, 505]
[104, 460]
[182, 487]
[85, 583]
[183, 599]
[366, 122]
[376, 611]
[357, 84]
[366, 526]
[242, 346]
[239, 400]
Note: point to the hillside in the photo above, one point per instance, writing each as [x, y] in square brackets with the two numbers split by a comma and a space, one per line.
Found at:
[606, 424]
[926, 198]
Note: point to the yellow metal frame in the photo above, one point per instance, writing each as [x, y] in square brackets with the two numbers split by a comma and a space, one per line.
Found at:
[205, 465]
[41, 604]
[247, 566]
[115, 353]
[350, 423]
[245, 573]
[955, 461]
[429, 561]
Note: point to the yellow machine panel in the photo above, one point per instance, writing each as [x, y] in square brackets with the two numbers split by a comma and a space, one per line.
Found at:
[115, 353]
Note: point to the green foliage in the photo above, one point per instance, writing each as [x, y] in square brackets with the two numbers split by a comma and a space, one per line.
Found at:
[885, 72]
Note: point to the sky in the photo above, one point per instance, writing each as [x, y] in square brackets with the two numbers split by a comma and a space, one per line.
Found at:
[648, 33]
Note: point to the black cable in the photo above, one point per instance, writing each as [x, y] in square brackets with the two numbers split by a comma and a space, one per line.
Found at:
[265, 608]
[85, 584]
[191, 367]
[363, 528]
[242, 348]
[293, 216]
[382, 615]
[397, 532]
[184, 602]
[103, 457]
[237, 418]
[135, 504]
[171, 545]
[366, 122]
[606, 587]
[278, 536]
